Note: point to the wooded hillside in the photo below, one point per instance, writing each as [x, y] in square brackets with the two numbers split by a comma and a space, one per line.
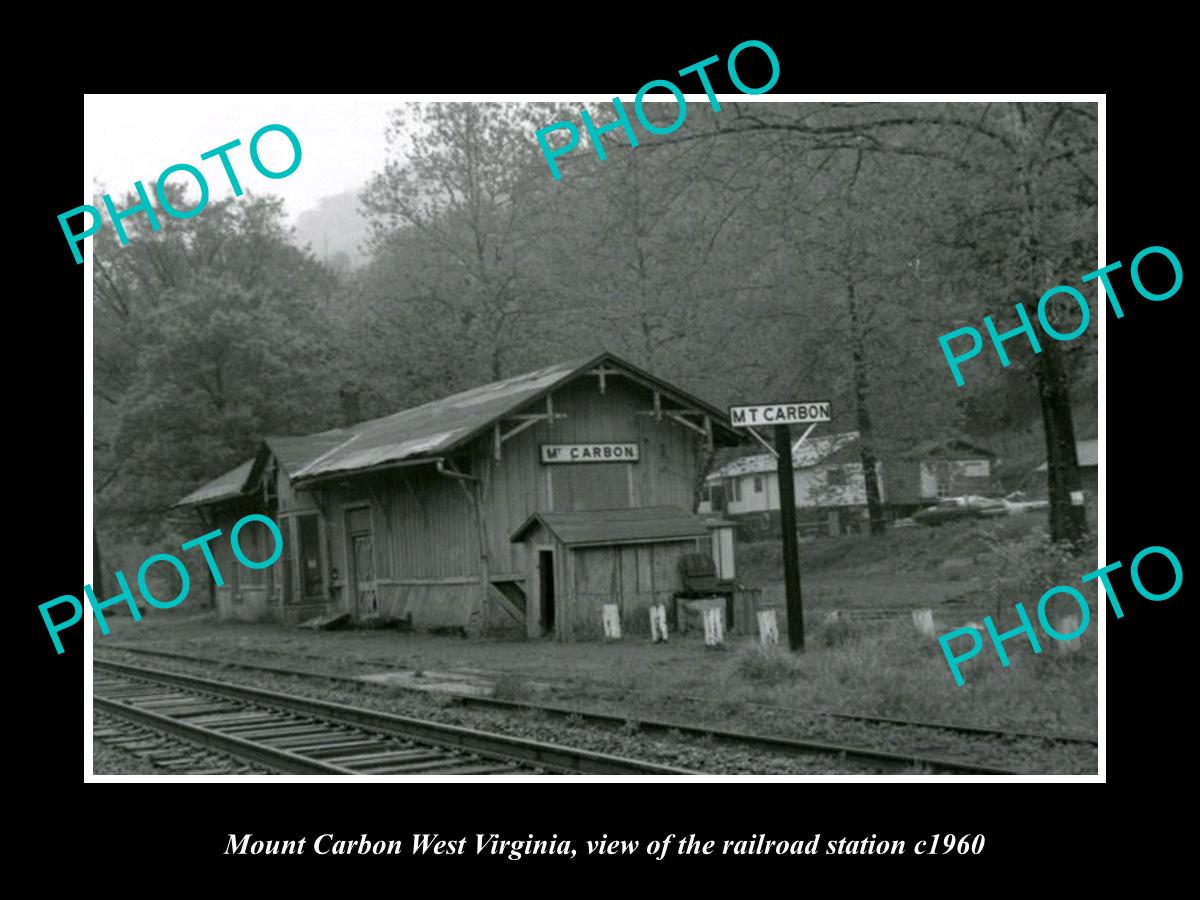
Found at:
[809, 251]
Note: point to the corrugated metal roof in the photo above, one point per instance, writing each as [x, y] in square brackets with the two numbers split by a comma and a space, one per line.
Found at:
[435, 428]
[808, 454]
[438, 427]
[224, 487]
[294, 453]
[617, 526]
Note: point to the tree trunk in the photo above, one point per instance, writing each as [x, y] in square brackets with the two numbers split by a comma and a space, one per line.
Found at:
[863, 416]
[1068, 521]
[97, 567]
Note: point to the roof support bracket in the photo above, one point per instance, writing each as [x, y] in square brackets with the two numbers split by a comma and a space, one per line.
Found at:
[675, 417]
[517, 429]
[452, 472]
[601, 372]
[758, 437]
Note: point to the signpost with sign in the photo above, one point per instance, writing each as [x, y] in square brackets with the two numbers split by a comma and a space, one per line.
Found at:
[781, 415]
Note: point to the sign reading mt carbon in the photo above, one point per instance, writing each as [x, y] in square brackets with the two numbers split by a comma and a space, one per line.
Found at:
[779, 414]
[589, 453]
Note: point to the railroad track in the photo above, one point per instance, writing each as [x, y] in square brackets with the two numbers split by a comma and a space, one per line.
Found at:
[886, 759]
[299, 735]
[166, 752]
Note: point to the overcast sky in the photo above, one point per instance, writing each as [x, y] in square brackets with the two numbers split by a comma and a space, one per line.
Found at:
[136, 136]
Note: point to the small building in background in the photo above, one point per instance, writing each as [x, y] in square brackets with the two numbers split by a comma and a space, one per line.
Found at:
[831, 493]
[935, 470]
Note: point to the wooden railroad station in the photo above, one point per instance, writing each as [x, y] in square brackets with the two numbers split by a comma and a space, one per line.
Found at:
[515, 507]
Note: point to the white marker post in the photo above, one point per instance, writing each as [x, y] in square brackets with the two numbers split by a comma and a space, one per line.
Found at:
[781, 415]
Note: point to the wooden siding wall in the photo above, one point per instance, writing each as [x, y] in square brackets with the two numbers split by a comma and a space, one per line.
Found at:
[520, 484]
[424, 542]
[586, 578]
[633, 576]
[247, 595]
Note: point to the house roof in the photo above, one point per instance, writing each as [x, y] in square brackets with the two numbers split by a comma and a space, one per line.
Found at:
[947, 448]
[1086, 454]
[441, 426]
[811, 453]
[599, 527]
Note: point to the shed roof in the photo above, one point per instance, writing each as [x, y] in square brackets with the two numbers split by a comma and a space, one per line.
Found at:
[436, 428]
[644, 524]
[223, 487]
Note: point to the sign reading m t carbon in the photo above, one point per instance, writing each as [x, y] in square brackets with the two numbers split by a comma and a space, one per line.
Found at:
[779, 414]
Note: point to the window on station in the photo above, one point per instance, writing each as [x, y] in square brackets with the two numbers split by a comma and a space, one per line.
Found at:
[250, 540]
[758, 484]
[310, 556]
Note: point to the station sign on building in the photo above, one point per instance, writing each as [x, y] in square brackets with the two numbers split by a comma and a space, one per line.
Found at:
[589, 453]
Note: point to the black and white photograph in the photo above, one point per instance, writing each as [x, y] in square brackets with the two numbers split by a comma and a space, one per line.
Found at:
[711, 432]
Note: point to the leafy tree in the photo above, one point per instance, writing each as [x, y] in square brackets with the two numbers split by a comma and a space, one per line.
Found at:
[209, 334]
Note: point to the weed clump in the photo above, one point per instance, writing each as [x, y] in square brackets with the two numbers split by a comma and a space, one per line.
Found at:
[770, 663]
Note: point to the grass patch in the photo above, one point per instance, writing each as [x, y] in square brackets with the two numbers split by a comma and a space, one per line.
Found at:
[766, 663]
[836, 632]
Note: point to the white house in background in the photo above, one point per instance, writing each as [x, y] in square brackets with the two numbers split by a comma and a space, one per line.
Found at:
[831, 492]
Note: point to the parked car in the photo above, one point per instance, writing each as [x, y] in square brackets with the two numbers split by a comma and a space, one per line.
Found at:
[970, 506]
[1016, 507]
[1017, 503]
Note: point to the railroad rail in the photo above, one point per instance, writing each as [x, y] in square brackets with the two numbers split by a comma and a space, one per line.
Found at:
[299, 735]
[745, 740]
[173, 755]
[467, 699]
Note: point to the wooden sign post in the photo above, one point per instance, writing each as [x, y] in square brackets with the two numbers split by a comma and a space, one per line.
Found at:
[781, 415]
[791, 549]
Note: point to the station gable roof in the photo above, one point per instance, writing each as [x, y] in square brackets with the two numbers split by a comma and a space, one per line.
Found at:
[439, 427]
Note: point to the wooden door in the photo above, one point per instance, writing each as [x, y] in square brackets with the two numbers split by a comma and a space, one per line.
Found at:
[361, 556]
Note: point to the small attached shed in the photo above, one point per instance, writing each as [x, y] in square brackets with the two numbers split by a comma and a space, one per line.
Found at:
[579, 561]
